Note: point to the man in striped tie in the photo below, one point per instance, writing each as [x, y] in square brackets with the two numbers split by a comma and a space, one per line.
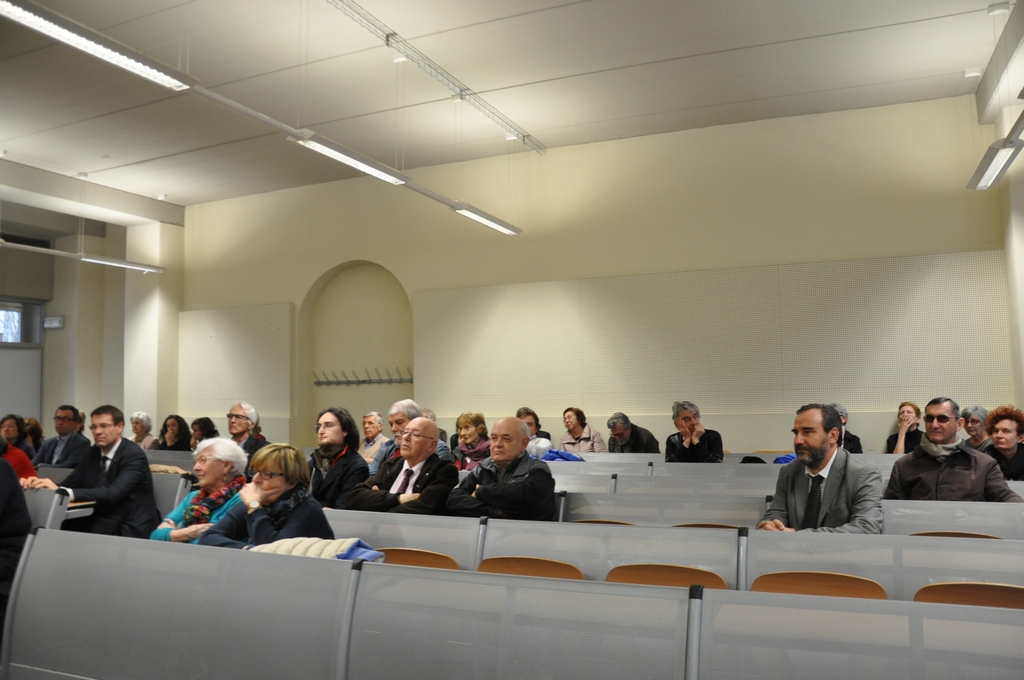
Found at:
[825, 488]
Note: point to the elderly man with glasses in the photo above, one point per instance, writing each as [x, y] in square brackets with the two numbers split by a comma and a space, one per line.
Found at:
[942, 468]
[241, 419]
[417, 482]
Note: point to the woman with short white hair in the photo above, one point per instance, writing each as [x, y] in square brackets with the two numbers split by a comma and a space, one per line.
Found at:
[220, 467]
[142, 428]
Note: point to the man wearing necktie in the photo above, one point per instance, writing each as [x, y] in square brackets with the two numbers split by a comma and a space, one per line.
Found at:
[417, 482]
[115, 475]
[825, 488]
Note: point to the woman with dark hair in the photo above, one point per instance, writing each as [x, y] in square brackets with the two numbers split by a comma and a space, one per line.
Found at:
[203, 428]
[35, 432]
[474, 444]
[336, 466]
[12, 428]
[174, 434]
[578, 437]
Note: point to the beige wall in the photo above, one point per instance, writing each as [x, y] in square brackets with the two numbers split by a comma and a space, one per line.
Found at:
[852, 185]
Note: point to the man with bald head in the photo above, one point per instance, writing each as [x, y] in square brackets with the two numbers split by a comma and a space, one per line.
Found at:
[417, 482]
[509, 484]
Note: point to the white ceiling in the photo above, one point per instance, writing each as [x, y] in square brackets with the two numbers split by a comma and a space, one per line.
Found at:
[568, 72]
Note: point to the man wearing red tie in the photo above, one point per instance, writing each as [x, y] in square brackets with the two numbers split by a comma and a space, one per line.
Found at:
[418, 482]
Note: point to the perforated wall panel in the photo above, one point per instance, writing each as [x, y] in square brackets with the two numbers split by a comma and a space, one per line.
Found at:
[753, 340]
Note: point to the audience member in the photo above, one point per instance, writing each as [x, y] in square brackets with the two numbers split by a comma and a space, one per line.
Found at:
[442, 448]
[629, 438]
[418, 482]
[1006, 427]
[35, 433]
[142, 427]
[174, 435]
[850, 442]
[509, 484]
[908, 436]
[336, 466]
[220, 468]
[399, 416]
[578, 437]
[692, 443]
[373, 437]
[12, 428]
[824, 489]
[474, 446]
[241, 420]
[115, 474]
[15, 524]
[942, 468]
[203, 429]
[18, 460]
[975, 425]
[276, 504]
[532, 420]
[68, 447]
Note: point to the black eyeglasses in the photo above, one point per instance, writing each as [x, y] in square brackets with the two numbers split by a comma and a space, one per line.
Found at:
[267, 475]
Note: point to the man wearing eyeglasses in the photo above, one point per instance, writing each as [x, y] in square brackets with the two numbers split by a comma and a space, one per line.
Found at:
[115, 475]
[241, 419]
[68, 447]
[942, 468]
[417, 482]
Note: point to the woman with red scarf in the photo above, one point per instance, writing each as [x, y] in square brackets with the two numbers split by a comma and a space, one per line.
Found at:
[336, 466]
[220, 467]
[474, 444]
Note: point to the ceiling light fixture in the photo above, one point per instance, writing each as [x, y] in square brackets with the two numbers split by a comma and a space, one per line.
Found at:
[322, 145]
[83, 257]
[972, 73]
[474, 213]
[424, 63]
[998, 157]
[998, 8]
[400, 59]
[74, 34]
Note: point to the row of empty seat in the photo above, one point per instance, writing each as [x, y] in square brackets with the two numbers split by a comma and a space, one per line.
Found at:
[105, 607]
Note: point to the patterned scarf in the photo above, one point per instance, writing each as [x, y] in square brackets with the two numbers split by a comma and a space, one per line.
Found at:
[939, 452]
[474, 455]
[204, 503]
[327, 457]
[283, 506]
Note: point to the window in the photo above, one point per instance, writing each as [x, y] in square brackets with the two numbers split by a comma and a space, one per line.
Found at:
[10, 322]
[21, 322]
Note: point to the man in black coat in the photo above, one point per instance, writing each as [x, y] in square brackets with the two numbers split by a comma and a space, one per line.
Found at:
[417, 482]
[509, 484]
[115, 475]
[629, 438]
[68, 447]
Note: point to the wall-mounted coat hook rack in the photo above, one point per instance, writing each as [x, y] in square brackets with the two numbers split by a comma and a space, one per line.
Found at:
[323, 381]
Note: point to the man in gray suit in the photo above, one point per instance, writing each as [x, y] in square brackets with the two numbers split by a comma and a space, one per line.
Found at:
[825, 488]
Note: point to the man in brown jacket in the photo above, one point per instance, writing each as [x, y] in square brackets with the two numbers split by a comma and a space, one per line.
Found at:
[944, 469]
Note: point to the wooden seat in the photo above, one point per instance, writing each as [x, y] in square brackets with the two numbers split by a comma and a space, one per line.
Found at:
[706, 525]
[666, 575]
[819, 583]
[602, 521]
[415, 557]
[531, 566]
[977, 594]
[956, 534]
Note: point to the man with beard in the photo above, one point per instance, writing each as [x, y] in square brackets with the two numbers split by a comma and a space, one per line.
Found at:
[825, 488]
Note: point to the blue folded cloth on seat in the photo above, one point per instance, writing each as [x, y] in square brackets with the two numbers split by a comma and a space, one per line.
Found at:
[782, 460]
[558, 454]
[361, 551]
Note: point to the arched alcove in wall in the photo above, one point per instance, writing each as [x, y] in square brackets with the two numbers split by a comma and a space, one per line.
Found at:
[356, 316]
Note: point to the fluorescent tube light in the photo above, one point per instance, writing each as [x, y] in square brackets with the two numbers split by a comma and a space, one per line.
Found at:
[124, 264]
[351, 158]
[473, 213]
[74, 34]
[82, 257]
[994, 164]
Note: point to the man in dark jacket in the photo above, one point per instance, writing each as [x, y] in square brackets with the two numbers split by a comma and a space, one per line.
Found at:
[417, 482]
[629, 438]
[68, 447]
[336, 466]
[509, 484]
[115, 475]
[944, 469]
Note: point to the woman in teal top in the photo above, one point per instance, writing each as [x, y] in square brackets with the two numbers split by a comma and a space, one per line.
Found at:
[220, 468]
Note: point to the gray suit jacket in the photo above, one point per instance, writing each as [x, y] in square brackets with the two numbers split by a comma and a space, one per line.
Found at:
[851, 499]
